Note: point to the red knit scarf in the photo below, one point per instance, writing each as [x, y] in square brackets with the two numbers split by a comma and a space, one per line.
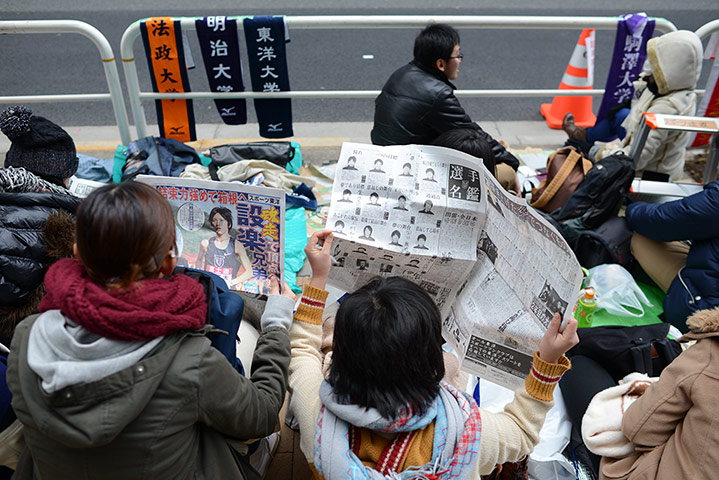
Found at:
[148, 309]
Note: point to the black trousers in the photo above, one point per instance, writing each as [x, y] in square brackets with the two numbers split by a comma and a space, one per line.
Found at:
[579, 385]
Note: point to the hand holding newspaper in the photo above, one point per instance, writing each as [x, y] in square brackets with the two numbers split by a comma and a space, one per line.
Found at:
[496, 268]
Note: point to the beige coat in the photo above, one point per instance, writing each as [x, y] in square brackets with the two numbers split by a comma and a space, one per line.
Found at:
[675, 424]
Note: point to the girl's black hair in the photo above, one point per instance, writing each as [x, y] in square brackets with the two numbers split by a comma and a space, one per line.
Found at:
[470, 142]
[387, 348]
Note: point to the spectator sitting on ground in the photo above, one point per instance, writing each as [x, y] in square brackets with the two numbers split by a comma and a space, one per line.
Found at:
[383, 391]
[417, 103]
[672, 425]
[472, 143]
[671, 72]
[688, 273]
[36, 227]
[36, 223]
[116, 378]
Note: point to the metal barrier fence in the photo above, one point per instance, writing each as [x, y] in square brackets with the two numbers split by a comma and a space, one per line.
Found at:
[296, 22]
[108, 62]
[361, 22]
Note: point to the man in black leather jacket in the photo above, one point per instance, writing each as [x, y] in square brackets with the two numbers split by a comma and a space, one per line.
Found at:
[417, 103]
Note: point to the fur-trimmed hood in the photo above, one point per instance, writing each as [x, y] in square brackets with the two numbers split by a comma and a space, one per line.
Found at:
[676, 60]
[704, 321]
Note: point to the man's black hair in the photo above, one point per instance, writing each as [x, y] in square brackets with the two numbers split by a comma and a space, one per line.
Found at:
[224, 213]
[434, 42]
[422, 236]
[470, 142]
[387, 348]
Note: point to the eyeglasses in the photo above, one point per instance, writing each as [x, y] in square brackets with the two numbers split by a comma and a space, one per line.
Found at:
[460, 56]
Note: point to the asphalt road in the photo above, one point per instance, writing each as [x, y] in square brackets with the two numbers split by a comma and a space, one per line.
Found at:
[319, 59]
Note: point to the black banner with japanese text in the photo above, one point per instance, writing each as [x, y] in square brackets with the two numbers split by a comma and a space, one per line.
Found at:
[265, 37]
[221, 54]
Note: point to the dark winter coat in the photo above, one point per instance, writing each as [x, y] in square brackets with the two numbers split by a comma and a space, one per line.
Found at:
[165, 417]
[695, 218]
[23, 259]
[417, 105]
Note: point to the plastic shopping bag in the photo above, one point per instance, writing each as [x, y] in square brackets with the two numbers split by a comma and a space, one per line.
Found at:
[617, 292]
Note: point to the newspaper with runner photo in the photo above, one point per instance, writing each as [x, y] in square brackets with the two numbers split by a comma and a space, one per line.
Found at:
[497, 270]
[233, 230]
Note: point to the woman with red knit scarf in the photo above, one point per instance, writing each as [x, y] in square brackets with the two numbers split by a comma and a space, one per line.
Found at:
[116, 378]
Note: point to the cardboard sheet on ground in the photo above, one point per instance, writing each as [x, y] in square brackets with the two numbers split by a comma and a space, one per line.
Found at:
[497, 270]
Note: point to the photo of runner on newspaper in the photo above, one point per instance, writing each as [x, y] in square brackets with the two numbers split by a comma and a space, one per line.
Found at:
[223, 254]
[232, 230]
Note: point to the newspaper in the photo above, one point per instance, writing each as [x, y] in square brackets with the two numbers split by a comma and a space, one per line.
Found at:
[231, 229]
[496, 269]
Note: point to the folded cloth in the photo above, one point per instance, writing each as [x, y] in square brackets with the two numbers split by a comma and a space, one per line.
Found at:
[602, 422]
[275, 176]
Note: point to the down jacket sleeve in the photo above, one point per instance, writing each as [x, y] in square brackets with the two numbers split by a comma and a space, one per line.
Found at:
[692, 218]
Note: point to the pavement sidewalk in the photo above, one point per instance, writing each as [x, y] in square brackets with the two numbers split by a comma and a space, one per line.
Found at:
[320, 142]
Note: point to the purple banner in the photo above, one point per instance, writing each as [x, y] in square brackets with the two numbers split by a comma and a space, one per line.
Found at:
[630, 51]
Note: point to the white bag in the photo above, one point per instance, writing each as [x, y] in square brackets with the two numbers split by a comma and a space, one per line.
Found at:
[617, 292]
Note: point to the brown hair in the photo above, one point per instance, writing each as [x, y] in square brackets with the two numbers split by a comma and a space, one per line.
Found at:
[124, 233]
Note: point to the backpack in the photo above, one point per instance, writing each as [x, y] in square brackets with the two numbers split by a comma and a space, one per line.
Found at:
[597, 198]
[224, 311]
[280, 153]
[157, 156]
[623, 350]
[565, 170]
[608, 243]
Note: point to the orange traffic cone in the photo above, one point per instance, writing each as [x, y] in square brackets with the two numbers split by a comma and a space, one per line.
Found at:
[575, 77]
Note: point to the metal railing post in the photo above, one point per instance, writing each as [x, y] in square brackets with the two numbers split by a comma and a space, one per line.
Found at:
[707, 29]
[710, 171]
[106, 55]
[639, 140]
[133, 85]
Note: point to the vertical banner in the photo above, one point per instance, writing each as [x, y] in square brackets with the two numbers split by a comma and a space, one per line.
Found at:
[221, 54]
[265, 37]
[630, 51]
[709, 106]
[162, 38]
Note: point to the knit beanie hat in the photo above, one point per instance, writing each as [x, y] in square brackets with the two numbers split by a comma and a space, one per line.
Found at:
[38, 144]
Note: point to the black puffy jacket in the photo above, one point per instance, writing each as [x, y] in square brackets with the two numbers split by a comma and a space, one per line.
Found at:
[23, 260]
[417, 105]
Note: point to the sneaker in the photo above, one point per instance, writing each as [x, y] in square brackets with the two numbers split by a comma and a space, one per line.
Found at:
[260, 459]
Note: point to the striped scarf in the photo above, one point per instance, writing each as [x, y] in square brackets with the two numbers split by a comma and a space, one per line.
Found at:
[20, 180]
[457, 427]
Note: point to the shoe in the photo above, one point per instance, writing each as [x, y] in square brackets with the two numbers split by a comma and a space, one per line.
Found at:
[261, 458]
[573, 131]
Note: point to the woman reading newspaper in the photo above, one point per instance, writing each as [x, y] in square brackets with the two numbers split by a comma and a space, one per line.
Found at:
[382, 411]
[116, 378]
